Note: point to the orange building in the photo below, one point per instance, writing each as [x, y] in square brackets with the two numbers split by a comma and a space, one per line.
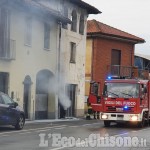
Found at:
[107, 47]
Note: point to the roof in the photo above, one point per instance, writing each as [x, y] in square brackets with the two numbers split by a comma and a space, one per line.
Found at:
[38, 7]
[35, 5]
[90, 9]
[98, 28]
[142, 56]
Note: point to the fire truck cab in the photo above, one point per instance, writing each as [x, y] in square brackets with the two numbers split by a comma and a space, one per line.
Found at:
[122, 100]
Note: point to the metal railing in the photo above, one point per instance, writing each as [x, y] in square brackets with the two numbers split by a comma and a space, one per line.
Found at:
[126, 71]
[117, 70]
[143, 74]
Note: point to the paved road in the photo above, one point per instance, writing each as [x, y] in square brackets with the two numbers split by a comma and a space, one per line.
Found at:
[81, 134]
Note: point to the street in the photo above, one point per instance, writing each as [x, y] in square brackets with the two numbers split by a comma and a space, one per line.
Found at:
[42, 136]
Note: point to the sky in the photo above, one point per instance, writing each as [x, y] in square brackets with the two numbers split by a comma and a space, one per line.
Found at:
[132, 16]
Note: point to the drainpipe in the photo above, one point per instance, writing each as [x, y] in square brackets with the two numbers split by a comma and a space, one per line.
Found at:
[92, 65]
[132, 63]
[59, 49]
[58, 68]
[132, 52]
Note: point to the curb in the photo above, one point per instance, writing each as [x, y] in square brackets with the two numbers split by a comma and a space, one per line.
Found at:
[51, 120]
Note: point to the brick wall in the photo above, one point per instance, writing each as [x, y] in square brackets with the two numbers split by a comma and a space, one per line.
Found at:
[102, 56]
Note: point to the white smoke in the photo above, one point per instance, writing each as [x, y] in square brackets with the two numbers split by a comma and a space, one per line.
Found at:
[58, 86]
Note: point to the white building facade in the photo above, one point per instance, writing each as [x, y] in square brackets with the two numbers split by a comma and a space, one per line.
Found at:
[42, 55]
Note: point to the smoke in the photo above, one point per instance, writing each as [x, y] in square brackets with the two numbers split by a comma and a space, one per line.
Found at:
[58, 86]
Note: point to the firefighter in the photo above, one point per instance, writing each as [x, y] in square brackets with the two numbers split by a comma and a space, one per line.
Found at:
[89, 111]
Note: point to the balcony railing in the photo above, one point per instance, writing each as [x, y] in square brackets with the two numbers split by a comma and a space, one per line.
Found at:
[143, 74]
[126, 71]
[8, 49]
[117, 70]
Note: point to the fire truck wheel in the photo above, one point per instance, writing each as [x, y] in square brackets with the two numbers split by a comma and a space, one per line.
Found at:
[141, 123]
[107, 123]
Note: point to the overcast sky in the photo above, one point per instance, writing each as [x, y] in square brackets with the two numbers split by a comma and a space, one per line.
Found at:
[132, 16]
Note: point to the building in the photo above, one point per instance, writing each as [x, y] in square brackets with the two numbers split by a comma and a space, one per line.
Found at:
[73, 48]
[108, 51]
[142, 61]
[38, 43]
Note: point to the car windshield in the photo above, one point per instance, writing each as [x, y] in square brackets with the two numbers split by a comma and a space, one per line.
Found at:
[7, 100]
[121, 90]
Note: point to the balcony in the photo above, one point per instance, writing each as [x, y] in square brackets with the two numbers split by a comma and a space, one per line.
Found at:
[117, 70]
[7, 49]
[126, 71]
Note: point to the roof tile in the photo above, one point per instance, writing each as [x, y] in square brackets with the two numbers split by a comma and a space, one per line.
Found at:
[95, 27]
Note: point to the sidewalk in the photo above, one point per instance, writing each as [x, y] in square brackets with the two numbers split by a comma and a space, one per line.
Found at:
[51, 120]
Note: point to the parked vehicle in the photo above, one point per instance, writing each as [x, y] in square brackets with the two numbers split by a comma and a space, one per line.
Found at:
[123, 100]
[10, 112]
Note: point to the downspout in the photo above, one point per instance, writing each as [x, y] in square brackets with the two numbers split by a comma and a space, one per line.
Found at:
[132, 63]
[132, 52]
[59, 49]
[92, 65]
[58, 69]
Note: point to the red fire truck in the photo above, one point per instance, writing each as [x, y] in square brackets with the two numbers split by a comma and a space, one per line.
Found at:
[122, 100]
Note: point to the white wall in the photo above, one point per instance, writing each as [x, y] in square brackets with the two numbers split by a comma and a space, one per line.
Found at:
[29, 59]
[75, 73]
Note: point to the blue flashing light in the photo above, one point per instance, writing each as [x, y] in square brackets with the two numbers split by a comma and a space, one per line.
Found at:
[125, 107]
[109, 77]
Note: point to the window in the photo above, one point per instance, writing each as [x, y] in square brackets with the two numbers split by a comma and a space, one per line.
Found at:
[116, 62]
[73, 53]
[46, 36]
[121, 90]
[81, 26]
[65, 26]
[94, 88]
[7, 100]
[115, 57]
[4, 32]
[28, 31]
[74, 21]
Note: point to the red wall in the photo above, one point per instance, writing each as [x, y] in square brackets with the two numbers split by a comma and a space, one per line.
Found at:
[102, 56]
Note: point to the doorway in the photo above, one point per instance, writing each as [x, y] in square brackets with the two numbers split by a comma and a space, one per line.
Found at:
[115, 57]
[27, 98]
[116, 62]
[71, 93]
[4, 77]
[42, 93]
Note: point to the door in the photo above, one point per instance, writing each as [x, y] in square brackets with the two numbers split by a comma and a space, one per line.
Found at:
[3, 110]
[42, 93]
[115, 62]
[26, 99]
[8, 114]
[115, 57]
[27, 95]
[4, 82]
[71, 92]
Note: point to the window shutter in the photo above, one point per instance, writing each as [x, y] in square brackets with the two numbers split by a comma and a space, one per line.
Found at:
[28, 31]
[46, 36]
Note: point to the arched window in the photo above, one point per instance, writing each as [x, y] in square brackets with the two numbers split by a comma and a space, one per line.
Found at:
[74, 21]
[81, 25]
